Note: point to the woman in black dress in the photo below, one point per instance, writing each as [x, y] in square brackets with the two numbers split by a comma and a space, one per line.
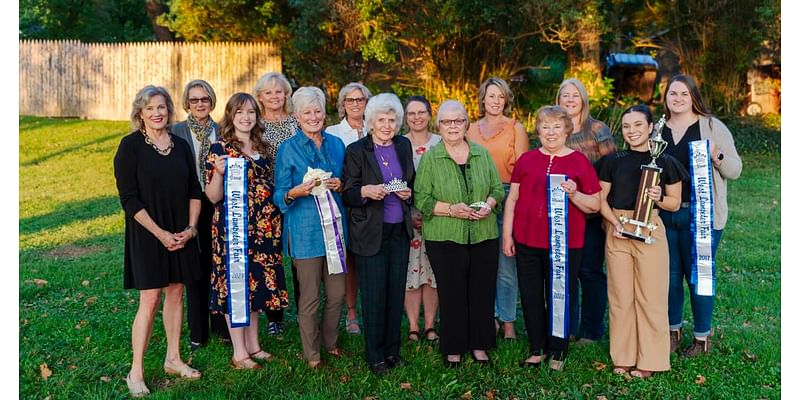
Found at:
[241, 137]
[160, 193]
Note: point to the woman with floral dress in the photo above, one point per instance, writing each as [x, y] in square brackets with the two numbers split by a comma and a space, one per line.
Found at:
[241, 137]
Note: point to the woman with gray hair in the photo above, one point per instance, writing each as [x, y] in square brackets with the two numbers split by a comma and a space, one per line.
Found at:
[200, 132]
[377, 171]
[353, 99]
[457, 189]
[305, 228]
[160, 194]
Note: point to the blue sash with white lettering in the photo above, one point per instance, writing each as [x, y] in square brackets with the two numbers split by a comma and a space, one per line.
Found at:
[559, 265]
[236, 260]
[702, 227]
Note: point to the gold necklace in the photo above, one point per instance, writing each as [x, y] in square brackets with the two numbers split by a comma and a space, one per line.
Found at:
[163, 152]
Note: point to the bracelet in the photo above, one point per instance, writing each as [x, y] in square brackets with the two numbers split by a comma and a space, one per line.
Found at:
[193, 229]
[288, 199]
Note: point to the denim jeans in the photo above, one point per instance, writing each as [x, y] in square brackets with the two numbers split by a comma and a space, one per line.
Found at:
[679, 237]
[505, 306]
[593, 287]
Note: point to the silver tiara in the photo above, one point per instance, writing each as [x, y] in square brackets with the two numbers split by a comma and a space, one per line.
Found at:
[478, 205]
[396, 185]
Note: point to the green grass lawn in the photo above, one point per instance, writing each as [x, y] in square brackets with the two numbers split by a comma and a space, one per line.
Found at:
[78, 322]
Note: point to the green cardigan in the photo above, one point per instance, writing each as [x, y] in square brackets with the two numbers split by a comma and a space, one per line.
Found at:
[439, 178]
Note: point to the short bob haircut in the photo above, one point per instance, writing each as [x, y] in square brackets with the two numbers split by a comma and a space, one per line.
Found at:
[347, 89]
[584, 120]
[384, 103]
[269, 80]
[201, 84]
[143, 97]
[452, 105]
[550, 113]
[307, 96]
[698, 106]
[504, 88]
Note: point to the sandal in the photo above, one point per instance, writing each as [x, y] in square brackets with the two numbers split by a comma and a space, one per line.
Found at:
[136, 389]
[641, 373]
[430, 335]
[621, 370]
[337, 352]
[262, 355]
[526, 364]
[245, 363]
[413, 336]
[353, 327]
[315, 364]
[183, 371]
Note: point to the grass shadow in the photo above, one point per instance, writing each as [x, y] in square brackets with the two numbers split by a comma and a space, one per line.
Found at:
[70, 149]
[71, 212]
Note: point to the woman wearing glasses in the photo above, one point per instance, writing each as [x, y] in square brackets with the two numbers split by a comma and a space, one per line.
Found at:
[352, 102]
[200, 131]
[457, 190]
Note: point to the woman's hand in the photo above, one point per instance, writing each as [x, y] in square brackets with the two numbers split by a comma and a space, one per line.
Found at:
[302, 190]
[374, 192]
[404, 194]
[219, 165]
[481, 213]
[570, 187]
[169, 240]
[460, 210]
[186, 235]
[334, 184]
[416, 220]
[618, 231]
[654, 193]
[508, 247]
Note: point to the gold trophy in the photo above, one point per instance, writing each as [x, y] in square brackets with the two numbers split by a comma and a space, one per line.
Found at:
[651, 174]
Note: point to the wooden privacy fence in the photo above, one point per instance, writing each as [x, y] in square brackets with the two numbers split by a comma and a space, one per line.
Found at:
[100, 80]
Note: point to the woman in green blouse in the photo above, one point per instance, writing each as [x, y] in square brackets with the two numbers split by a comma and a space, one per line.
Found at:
[457, 187]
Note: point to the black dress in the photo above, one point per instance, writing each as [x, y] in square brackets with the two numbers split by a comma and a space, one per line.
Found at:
[162, 185]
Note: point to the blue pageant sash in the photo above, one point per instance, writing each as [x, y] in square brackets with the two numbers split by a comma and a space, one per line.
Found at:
[559, 267]
[236, 241]
[702, 228]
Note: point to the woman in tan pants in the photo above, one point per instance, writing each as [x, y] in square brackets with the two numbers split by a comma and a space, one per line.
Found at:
[638, 273]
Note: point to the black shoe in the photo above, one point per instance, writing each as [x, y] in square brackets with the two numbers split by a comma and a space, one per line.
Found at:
[395, 361]
[450, 364]
[379, 369]
[486, 361]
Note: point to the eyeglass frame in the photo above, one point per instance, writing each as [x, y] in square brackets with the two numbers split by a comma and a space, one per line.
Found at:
[357, 100]
[196, 100]
[453, 122]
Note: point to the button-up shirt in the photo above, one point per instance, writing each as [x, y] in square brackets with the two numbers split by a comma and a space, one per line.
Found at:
[301, 221]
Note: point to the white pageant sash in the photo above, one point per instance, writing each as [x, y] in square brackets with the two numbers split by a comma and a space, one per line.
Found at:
[702, 227]
[332, 232]
[235, 208]
[559, 267]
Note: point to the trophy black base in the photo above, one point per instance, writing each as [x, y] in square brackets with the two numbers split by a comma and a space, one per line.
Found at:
[634, 236]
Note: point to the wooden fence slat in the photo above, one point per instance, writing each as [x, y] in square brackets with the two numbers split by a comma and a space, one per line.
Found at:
[69, 78]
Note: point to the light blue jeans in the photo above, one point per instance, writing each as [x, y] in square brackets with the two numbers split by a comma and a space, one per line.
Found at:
[505, 305]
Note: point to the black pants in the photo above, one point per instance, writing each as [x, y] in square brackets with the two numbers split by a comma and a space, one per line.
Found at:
[197, 293]
[533, 274]
[382, 282]
[465, 278]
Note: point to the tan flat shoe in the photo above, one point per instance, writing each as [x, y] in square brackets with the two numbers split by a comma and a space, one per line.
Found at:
[136, 389]
[183, 371]
[315, 364]
[262, 356]
[245, 363]
[641, 374]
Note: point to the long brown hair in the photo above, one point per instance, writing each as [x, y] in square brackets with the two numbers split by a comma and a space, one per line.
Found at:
[228, 132]
[698, 106]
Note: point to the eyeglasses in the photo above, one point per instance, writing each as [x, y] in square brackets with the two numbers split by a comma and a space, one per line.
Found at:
[451, 122]
[195, 100]
[417, 114]
[352, 100]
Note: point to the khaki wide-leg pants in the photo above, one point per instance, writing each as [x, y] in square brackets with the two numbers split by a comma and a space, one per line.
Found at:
[638, 290]
[311, 273]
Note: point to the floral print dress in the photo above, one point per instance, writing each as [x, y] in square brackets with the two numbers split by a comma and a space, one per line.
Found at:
[419, 268]
[267, 283]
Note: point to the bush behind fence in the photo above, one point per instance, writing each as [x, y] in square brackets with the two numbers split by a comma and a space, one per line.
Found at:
[100, 80]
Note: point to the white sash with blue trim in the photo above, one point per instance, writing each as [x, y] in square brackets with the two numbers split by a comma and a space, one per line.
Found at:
[236, 241]
[702, 227]
[331, 219]
[559, 266]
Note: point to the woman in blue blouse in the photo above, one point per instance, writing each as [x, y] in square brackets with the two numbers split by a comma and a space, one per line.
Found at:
[312, 148]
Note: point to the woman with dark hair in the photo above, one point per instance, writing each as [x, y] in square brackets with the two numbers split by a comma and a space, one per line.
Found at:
[159, 191]
[262, 276]
[274, 95]
[420, 281]
[688, 120]
[377, 171]
[592, 138]
[637, 271]
[546, 286]
[506, 140]
[200, 131]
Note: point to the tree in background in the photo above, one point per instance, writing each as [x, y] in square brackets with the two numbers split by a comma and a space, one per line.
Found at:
[87, 20]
